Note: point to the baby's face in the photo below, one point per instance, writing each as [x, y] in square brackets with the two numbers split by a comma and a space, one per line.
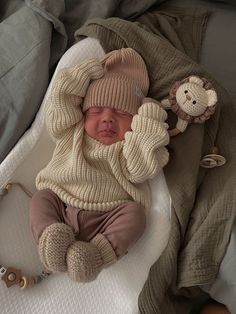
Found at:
[107, 125]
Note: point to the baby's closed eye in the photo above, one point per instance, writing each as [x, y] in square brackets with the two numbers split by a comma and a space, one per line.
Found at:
[122, 113]
[94, 110]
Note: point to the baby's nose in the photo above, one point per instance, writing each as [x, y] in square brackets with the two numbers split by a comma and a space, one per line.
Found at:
[108, 116]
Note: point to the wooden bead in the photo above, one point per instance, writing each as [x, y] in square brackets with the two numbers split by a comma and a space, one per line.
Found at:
[214, 150]
[11, 277]
[23, 282]
[32, 281]
[27, 282]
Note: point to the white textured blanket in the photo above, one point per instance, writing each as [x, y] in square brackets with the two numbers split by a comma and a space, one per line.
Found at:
[117, 288]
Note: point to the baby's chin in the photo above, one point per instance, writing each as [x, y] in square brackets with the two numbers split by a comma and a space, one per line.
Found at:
[106, 140]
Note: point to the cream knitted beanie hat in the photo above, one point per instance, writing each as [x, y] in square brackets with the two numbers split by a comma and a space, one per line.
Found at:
[124, 84]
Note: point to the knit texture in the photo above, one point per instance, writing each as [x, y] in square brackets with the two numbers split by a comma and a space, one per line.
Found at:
[87, 174]
[124, 84]
[53, 245]
[85, 260]
[105, 248]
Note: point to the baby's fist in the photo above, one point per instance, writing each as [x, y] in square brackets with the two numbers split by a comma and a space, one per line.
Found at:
[152, 109]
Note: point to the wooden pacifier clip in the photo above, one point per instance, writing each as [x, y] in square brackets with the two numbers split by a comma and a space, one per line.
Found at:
[13, 276]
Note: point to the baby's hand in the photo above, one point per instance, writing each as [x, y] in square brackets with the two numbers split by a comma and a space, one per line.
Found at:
[151, 108]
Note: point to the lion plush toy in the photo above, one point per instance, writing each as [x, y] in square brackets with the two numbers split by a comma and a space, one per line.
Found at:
[193, 100]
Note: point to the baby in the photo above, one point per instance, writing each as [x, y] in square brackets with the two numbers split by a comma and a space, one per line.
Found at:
[93, 196]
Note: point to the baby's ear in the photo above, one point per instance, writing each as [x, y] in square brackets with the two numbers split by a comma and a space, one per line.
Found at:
[212, 97]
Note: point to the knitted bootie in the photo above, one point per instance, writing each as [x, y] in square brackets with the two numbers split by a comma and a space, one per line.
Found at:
[85, 260]
[53, 246]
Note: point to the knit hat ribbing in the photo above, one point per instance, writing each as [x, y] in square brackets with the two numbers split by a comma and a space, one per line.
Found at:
[124, 84]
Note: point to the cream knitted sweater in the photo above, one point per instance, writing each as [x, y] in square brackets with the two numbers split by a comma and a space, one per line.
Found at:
[87, 174]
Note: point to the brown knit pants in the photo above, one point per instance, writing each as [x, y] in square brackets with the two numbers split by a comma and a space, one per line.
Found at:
[122, 226]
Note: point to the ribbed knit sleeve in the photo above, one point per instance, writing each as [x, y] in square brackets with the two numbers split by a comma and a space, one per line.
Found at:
[144, 147]
[70, 86]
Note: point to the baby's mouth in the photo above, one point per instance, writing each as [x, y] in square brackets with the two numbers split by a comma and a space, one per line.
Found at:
[107, 132]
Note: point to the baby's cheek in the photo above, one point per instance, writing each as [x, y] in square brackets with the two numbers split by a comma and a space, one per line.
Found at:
[88, 125]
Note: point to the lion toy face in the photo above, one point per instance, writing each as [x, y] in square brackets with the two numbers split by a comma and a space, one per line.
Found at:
[193, 98]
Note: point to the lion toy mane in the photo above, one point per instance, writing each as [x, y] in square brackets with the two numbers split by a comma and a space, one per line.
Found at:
[193, 100]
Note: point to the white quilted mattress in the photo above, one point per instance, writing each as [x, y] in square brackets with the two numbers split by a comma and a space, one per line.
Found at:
[116, 289]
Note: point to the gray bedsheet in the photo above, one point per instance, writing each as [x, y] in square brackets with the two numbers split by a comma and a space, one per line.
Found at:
[26, 59]
[34, 34]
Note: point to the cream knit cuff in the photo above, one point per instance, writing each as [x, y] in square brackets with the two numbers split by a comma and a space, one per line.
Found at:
[147, 125]
[152, 110]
